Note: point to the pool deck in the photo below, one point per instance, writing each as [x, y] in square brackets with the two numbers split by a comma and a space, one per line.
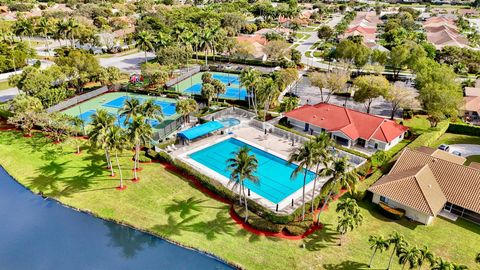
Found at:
[269, 143]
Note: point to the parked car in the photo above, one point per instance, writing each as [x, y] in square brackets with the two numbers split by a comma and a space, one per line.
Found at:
[457, 153]
[444, 147]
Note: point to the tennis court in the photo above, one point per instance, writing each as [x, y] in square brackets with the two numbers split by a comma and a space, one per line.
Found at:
[112, 102]
[193, 85]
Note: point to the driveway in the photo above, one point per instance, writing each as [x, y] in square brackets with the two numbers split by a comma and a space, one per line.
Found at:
[466, 149]
[128, 63]
[8, 94]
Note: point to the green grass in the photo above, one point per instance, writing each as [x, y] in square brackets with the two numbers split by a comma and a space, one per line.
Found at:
[474, 158]
[308, 54]
[418, 124]
[161, 204]
[317, 54]
[450, 138]
[4, 85]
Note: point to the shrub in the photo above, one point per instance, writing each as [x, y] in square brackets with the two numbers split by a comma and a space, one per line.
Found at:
[428, 138]
[299, 227]
[379, 158]
[142, 158]
[464, 129]
[256, 221]
[364, 169]
[390, 212]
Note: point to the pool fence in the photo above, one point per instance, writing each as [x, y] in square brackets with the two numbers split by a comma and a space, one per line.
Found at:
[170, 128]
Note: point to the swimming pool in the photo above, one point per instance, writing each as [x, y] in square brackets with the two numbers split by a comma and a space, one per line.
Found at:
[229, 122]
[273, 172]
[193, 85]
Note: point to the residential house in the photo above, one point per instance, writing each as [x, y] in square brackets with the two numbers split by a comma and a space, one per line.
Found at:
[258, 42]
[428, 182]
[347, 127]
[471, 104]
[442, 31]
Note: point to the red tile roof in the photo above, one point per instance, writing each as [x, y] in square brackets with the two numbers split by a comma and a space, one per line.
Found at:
[353, 124]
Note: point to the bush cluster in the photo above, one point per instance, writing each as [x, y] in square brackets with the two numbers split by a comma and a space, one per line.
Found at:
[428, 138]
[464, 129]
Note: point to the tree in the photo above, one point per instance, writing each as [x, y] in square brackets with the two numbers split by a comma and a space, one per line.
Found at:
[219, 87]
[206, 39]
[477, 258]
[348, 206]
[23, 27]
[441, 264]
[243, 166]
[130, 110]
[98, 133]
[72, 28]
[81, 67]
[144, 41]
[139, 132]
[408, 255]
[304, 156]
[424, 254]
[347, 223]
[244, 50]
[108, 76]
[117, 142]
[322, 143]
[249, 79]
[268, 92]
[44, 28]
[154, 74]
[340, 172]
[396, 241]
[277, 49]
[370, 87]
[325, 32]
[185, 107]
[377, 243]
[334, 81]
[401, 96]
[207, 92]
[151, 110]
[455, 266]
[290, 103]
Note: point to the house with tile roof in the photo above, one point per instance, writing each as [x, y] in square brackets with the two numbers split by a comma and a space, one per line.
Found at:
[442, 31]
[471, 103]
[428, 182]
[346, 126]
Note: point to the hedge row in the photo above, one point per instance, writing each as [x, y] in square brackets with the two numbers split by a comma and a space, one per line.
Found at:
[464, 129]
[428, 138]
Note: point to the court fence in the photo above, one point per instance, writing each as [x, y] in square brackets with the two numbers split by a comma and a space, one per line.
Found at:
[77, 99]
[182, 77]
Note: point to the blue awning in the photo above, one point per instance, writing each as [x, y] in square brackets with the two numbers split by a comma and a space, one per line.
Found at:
[201, 130]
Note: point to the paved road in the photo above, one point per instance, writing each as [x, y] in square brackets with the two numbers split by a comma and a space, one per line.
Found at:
[466, 149]
[44, 64]
[8, 94]
[128, 63]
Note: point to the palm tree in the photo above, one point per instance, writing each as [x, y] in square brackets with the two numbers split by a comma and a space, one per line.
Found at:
[425, 254]
[323, 157]
[185, 107]
[139, 133]
[22, 28]
[161, 40]
[144, 41]
[440, 264]
[304, 156]
[117, 142]
[72, 28]
[455, 266]
[377, 243]
[207, 92]
[206, 40]
[243, 167]
[100, 124]
[268, 93]
[151, 110]
[44, 28]
[131, 108]
[249, 79]
[397, 241]
[345, 224]
[341, 173]
[62, 30]
[219, 87]
[348, 206]
[408, 255]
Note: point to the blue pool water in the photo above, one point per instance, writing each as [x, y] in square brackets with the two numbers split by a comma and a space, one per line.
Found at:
[41, 234]
[232, 81]
[168, 108]
[229, 122]
[273, 172]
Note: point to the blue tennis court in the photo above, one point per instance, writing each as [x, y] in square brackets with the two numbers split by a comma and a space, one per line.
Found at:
[193, 85]
[231, 93]
[168, 108]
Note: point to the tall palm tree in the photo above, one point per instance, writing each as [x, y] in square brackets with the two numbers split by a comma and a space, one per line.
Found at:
[323, 157]
[425, 254]
[348, 206]
[117, 142]
[23, 28]
[304, 156]
[206, 40]
[268, 92]
[408, 255]
[98, 133]
[377, 243]
[44, 28]
[144, 41]
[440, 264]
[151, 110]
[161, 40]
[139, 133]
[131, 108]
[397, 241]
[185, 107]
[72, 28]
[249, 79]
[455, 266]
[62, 31]
[243, 167]
[340, 172]
[345, 224]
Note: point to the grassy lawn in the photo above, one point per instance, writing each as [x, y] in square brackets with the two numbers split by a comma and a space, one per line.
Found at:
[418, 124]
[4, 85]
[160, 203]
[450, 138]
[470, 159]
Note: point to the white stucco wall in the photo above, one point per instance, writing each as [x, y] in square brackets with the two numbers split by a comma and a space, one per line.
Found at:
[409, 212]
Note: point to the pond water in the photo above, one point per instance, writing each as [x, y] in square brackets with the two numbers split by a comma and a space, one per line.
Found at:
[41, 234]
